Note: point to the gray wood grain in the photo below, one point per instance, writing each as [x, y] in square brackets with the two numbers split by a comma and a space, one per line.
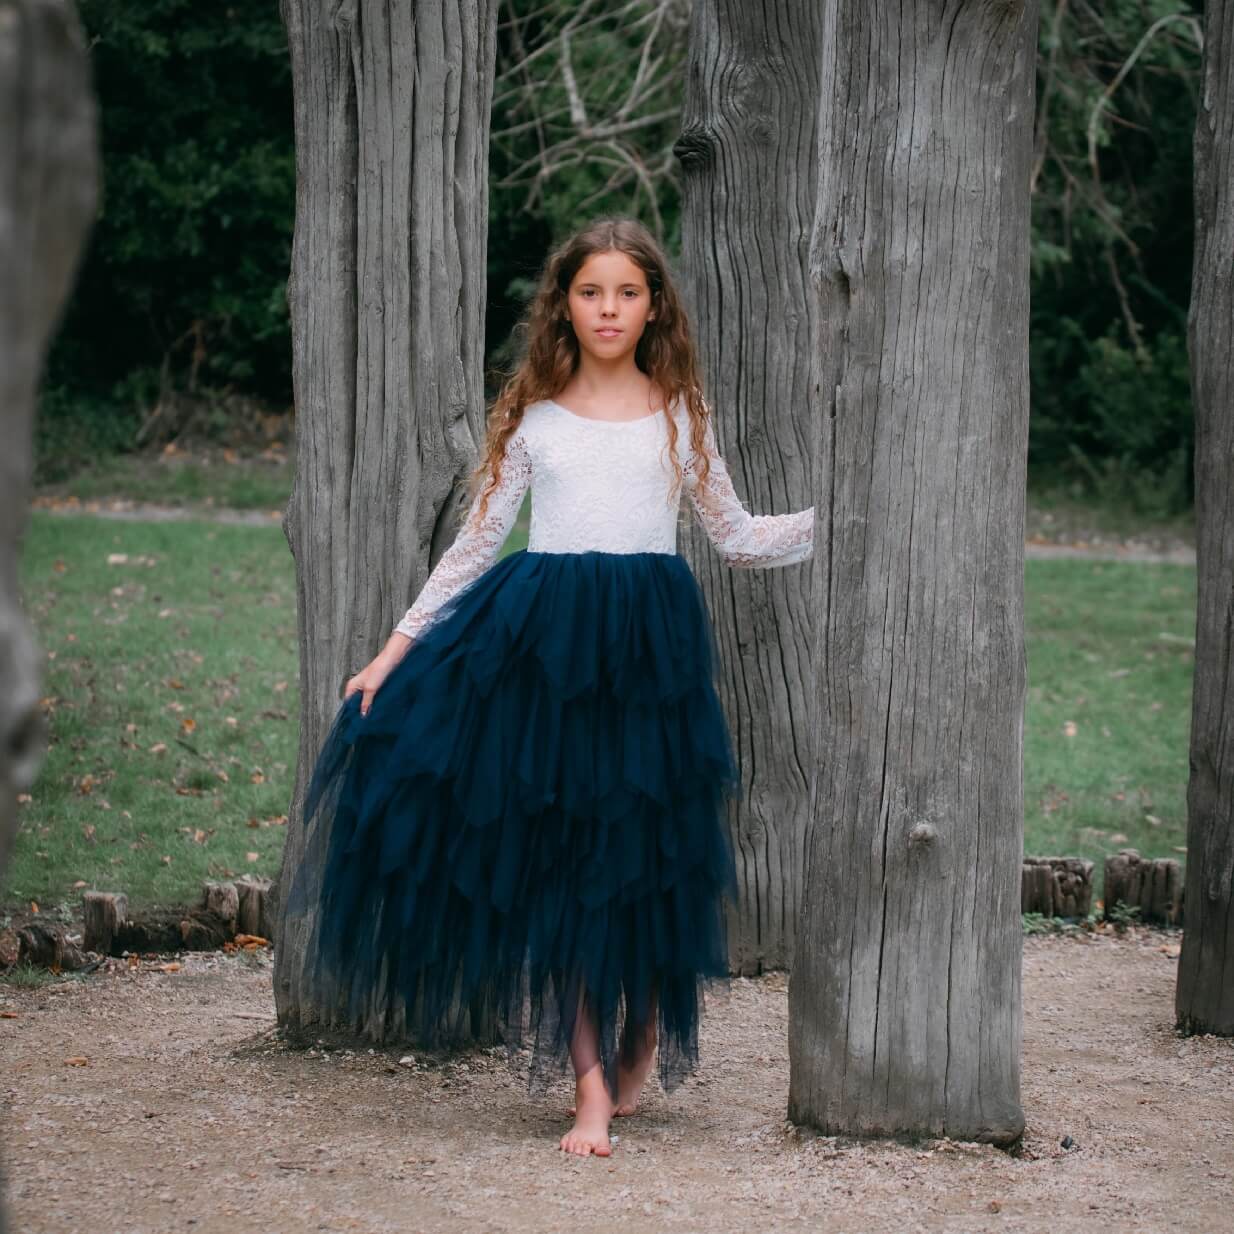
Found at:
[1204, 1001]
[49, 178]
[747, 153]
[905, 999]
[387, 292]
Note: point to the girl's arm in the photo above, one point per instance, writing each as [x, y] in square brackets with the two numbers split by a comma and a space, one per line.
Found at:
[744, 540]
[475, 548]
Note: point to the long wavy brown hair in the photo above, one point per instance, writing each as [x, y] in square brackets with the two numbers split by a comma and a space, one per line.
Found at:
[665, 352]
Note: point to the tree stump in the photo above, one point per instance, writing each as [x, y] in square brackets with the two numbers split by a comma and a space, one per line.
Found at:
[256, 899]
[223, 900]
[10, 947]
[1154, 886]
[44, 944]
[1056, 886]
[105, 913]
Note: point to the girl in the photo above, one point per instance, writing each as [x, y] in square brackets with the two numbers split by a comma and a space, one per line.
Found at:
[527, 784]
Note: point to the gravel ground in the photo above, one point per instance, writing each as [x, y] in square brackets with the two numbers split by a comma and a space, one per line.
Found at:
[191, 1115]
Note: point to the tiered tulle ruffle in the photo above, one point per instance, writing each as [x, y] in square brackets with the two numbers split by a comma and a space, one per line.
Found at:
[534, 805]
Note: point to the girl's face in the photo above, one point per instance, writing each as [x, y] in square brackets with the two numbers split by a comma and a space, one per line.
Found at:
[608, 305]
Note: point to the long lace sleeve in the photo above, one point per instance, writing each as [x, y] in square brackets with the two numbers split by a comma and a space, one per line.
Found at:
[744, 540]
[478, 542]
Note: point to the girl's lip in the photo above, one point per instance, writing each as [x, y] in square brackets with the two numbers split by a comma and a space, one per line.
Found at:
[608, 330]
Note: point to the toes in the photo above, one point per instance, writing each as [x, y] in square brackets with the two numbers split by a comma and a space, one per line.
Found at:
[574, 1143]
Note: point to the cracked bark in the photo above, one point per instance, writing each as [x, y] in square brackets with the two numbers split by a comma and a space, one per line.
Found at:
[387, 288]
[748, 169]
[49, 181]
[1204, 1000]
[904, 1001]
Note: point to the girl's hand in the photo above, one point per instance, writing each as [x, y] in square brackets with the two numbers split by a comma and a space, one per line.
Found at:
[368, 681]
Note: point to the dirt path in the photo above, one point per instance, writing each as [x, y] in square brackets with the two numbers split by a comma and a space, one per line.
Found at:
[191, 1116]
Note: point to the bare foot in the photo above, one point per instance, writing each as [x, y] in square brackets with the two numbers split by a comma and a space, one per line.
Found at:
[590, 1131]
[630, 1082]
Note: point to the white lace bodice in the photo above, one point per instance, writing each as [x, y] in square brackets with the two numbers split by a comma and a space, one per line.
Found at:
[604, 485]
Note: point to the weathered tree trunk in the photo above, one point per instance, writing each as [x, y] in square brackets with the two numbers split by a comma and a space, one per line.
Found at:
[1204, 1001]
[387, 296]
[747, 150]
[48, 193]
[904, 1000]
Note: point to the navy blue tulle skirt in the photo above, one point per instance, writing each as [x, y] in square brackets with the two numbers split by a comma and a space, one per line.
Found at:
[530, 822]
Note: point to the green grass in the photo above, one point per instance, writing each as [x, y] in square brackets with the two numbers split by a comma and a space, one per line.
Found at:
[190, 645]
[172, 697]
[1110, 652]
[250, 483]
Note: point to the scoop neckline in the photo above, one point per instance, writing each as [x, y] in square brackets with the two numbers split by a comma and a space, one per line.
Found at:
[613, 423]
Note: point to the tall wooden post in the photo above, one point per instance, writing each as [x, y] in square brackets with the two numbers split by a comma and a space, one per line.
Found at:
[904, 1000]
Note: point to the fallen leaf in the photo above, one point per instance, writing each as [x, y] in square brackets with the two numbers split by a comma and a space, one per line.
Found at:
[78, 1060]
[252, 856]
[172, 966]
[158, 747]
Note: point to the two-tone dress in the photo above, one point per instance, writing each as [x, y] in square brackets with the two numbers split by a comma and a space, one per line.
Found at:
[534, 806]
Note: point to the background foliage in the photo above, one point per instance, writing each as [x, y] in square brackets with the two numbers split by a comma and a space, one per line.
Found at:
[179, 322]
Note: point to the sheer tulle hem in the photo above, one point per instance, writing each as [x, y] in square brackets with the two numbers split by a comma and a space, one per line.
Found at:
[533, 809]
